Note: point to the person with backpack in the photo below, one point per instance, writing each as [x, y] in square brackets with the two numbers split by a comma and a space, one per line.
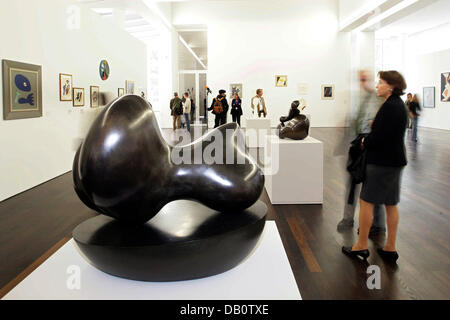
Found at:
[176, 110]
[219, 108]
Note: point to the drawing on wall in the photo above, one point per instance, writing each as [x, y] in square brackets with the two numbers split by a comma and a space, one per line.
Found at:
[129, 87]
[302, 89]
[120, 92]
[281, 81]
[236, 88]
[95, 96]
[65, 87]
[78, 97]
[428, 97]
[22, 90]
[104, 69]
[445, 87]
[327, 92]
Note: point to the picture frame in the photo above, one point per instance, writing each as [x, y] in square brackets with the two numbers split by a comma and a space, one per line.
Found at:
[94, 96]
[120, 92]
[445, 87]
[327, 92]
[65, 87]
[236, 88]
[78, 97]
[429, 97]
[129, 87]
[281, 80]
[22, 90]
[103, 70]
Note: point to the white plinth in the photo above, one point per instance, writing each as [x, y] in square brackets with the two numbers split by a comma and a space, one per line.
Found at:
[257, 129]
[299, 178]
[254, 279]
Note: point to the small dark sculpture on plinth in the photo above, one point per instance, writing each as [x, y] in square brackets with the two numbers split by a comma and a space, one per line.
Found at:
[126, 171]
[295, 126]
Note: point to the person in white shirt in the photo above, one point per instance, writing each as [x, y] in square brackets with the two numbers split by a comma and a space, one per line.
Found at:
[187, 111]
[258, 104]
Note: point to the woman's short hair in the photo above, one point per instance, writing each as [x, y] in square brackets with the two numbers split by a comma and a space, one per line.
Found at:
[394, 79]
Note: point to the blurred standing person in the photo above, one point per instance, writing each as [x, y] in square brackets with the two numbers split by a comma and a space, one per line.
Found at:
[407, 102]
[187, 111]
[370, 104]
[219, 108]
[386, 159]
[176, 110]
[414, 113]
[236, 109]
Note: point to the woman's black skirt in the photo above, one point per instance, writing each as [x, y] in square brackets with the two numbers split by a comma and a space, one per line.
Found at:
[382, 185]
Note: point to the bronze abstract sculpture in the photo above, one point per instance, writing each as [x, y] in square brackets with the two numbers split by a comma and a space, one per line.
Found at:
[295, 126]
[125, 170]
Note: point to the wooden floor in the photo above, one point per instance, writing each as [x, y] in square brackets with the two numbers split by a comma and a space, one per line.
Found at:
[35, 221]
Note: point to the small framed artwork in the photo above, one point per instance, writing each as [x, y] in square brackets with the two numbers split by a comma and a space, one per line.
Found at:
[65, 87]
[281, 81]
[22, 90]
[445, 87]
[129, 87]
[327, 92]
[95, 95]
[103, 69]
[428, 97]
[120, 92]
[78, 97]
[236, 88]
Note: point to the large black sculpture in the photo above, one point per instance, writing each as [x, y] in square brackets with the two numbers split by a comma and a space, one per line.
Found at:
[295, 126]
[125, 170]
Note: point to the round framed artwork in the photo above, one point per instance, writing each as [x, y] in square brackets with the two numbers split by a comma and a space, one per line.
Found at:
[104, 69]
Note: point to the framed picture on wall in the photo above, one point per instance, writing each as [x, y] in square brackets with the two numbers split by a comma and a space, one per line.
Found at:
[281, 81]
[95, 96]
[129, 87]
[22, 90]
[236, 88]
[428, 97]
[65, 87]
[445, 87]
[120, 92]
[78, 97]
[327, 92]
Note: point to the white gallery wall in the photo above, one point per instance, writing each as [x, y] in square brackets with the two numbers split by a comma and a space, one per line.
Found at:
[62, 37]
[427, 56]
[422, 57]
[250, 42]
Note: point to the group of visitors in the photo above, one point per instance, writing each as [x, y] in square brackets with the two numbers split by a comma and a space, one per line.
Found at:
[219, 107]
[180, 110]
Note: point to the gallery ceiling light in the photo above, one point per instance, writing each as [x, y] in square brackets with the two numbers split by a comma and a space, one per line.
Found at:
[371, 6]
[191, 51]
[402, 5]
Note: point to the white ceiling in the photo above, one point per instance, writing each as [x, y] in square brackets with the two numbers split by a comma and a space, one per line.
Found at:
[140, 22]
[435, 14]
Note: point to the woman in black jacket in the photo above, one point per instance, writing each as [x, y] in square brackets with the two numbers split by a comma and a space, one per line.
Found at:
[386, 159]
[236, 109]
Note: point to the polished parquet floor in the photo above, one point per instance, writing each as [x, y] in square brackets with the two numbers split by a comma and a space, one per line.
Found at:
[34, 221]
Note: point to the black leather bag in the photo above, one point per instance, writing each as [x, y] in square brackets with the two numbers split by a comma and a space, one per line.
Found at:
[356, 163]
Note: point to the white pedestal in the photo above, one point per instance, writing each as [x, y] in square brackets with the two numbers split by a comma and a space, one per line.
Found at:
[253, 279]
[257, 129]
[299, 178]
